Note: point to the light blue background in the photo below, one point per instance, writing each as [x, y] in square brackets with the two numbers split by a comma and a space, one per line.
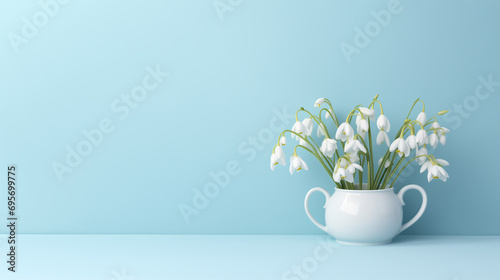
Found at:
[226, 78]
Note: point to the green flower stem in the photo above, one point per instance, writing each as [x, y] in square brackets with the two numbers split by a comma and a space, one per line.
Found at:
[349, 116]
[343, 184]
[318, 121]
[330, 173]
[388, 171]
[414, 103]
[366, 157]
[379, 103]
[370, 163]
[400, 161]
[397, 176]
[430, 120]
[360, 173]
[317, 155]
[335, 121]
[383, 173]
[382, 163]
[331, 107]
[381, 167]
[322, 163]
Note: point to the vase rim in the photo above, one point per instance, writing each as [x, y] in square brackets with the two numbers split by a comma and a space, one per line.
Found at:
[364, 190]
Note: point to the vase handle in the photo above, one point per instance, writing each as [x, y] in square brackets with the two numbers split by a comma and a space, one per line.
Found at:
[422, 207]
[306, 206]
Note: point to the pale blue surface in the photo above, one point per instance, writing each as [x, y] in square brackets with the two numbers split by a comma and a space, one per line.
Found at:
[226, 77]
[147, 257]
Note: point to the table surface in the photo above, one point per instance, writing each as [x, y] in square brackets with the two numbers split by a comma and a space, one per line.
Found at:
[297, 257]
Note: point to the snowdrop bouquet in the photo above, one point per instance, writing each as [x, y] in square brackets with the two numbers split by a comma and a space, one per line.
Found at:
[346, 152]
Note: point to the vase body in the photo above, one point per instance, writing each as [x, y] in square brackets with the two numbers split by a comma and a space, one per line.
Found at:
[365, 217]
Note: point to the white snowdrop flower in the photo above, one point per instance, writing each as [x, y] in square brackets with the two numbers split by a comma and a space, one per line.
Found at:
[297, 164]
[386, 163]
[368, 113]
[353, 146]
[283, 140]
[319, 102]
[321, 131]
[421, 152]
[400, 146]
[298, 128]
[433, 140]
[422, 118]
[308, 124]
[412, 141]
[328, 147]
[382, 137]
[383, 123]
[422, 137]
[278, 157]
[344, 132]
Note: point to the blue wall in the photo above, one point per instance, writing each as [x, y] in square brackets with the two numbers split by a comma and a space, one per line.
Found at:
[236, 70]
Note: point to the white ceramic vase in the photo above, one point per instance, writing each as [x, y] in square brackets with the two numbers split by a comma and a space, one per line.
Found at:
[365, 217]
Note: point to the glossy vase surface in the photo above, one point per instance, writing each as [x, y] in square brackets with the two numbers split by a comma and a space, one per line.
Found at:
[365, 217]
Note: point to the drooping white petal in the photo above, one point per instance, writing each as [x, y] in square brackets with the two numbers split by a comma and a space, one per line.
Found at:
[353, 146]
[283, 140]
[422, 118]
[292, 166]
[349, 177]
[357, 166]
[395, 144]
[354, 157]
[442, 172]
[274, 161]
[328, 147]
[433, 140]
[298, 128]
[429, 175]
[358, 118]
[319, 102]
[421, 152]
[349, 146]
[382, 137]
[336, 177]
[360, 146]
[412, 141]
[442, 162]
[442, 139]
[339, 175]
[280, 155]
[383, 123]
[320, 131]
[386, 163]
[351, 169]
[342, 173]
[297, 164]
[302, 164]
[328, 114]
[362, 128]
[425, 166]
[368, 113]
[344, 132]
[400, 146]
[437, 172]
[422, 137]
[308, 124]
